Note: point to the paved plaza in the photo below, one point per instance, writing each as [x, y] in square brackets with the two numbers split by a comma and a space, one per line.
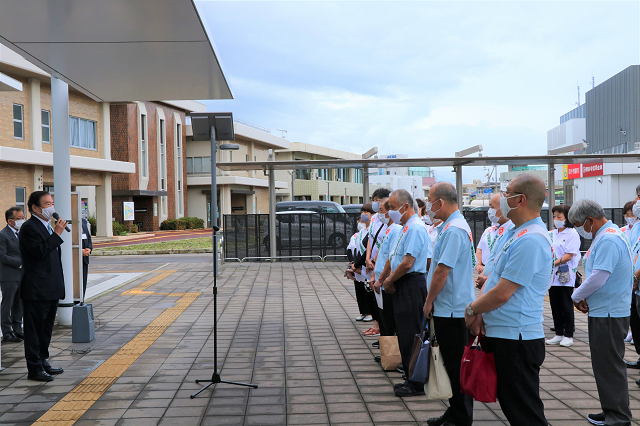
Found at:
[288, 327]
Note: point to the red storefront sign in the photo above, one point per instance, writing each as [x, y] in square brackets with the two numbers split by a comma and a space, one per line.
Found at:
[573, 171]
[594, 169]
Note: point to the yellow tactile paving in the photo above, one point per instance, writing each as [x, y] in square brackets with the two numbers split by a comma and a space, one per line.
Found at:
[73, 405]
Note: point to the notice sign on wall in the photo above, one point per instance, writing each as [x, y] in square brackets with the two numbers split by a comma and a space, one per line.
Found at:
[128, 210]
[594, 169]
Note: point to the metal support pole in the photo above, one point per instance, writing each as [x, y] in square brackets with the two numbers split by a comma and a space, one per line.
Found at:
[458, 170]
[551, 185]
[214, 202]
[272, 212]
[365, 184]
[62, 185]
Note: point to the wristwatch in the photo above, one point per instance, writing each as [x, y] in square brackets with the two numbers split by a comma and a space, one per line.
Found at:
[470, 311]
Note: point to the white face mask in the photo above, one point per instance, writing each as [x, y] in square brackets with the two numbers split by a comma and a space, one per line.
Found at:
[559, 224]
[427, 220]
[504, 205]
[583, 233]
[18, 224]
[383, 218]
[631, 220]
[395, 215]
[636, 209]
[361, 226]
[431, 214]
[48, 212]
[364, 217]
[492, 216]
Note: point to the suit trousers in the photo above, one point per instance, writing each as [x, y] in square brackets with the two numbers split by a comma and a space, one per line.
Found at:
[408, 305]
[361, 298]
[562, 309]
[452, 335]
[39, 316]
[634, 321]
[518, 368]
[11, 307]
[85, 276]
[388, 323]
[606, 341]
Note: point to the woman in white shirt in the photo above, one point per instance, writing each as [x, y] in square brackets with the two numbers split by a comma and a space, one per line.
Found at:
[630, 218]
[566, 250]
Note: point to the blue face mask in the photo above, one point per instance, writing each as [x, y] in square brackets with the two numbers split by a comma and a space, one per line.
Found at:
[364, 218]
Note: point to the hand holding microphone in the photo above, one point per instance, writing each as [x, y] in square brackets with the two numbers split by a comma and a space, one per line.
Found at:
[60, 224]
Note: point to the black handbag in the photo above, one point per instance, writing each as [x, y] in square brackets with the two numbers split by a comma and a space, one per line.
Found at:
[578, 279]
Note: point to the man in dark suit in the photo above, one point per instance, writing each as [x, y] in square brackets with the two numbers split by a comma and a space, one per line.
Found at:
[42, 284]
[87, 247]
[10, 277]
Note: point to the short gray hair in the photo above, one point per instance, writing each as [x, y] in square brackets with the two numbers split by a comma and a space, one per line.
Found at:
[446, 191]
[638, 190]
[403, 197]
[582, 209]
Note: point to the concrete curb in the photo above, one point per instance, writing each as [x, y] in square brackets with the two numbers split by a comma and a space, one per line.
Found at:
[138, 252]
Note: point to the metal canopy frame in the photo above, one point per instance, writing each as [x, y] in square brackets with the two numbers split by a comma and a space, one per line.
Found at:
[456, 162]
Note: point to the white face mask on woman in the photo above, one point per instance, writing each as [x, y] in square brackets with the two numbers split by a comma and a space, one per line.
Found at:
[636, 209]
[631, 220]
[559, 224]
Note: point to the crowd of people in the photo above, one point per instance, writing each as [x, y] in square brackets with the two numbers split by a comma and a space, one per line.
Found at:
[413, 261]
[32, 281]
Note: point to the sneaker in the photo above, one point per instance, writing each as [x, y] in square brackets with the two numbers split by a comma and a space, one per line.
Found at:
[360, 318]
[368, 318]
[629, 338]
[596, 419]
[556, 340]
[566, 342]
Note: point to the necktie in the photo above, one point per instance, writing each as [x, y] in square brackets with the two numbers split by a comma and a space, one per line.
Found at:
[49, 228]
[18, 235]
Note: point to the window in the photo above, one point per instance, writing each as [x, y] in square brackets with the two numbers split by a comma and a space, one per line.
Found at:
[18, 125]
[163, 164]
[179, 160]
[303, 174]
[231, 156]
[357, 175]
[143, 145]
[343, 175]
[247, 159]
[82, 133]
[323, 174]
[46, 126]
[197, 165]
[21, 194]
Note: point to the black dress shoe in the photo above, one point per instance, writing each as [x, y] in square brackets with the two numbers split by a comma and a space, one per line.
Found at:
[377, 359]
[436, 421]
[376, 344]
[400, 369]
[11, 338]
[638, 383]
[20, 334]
[53, 371]
[633, 364]
[40, 377]
[407, 391]
[399, 385]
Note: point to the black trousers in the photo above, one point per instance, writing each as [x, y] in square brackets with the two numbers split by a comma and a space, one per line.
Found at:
[408, 305]
[518, 367]
[562, 309]
[388, 323]
[635, 322]
[39, 316]
[453, 335]
[606, 341]
[11, 307]
[361, 298]
[85, 276]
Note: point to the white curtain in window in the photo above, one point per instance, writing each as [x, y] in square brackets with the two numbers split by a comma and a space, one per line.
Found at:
[74, 135]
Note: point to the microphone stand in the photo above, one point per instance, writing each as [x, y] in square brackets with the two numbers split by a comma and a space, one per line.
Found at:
[215, 377]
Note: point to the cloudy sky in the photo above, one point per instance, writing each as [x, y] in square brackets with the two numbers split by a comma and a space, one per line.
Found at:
[418, 78]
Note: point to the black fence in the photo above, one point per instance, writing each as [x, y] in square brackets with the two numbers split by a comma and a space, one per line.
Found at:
[320, 236]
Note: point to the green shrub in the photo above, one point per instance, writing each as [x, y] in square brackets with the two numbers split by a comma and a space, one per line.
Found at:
[119, 229]
[94, 225]
[182, 223]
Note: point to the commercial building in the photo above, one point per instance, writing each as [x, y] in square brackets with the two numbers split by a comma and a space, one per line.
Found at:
[27, 135]
[239, 192]
[344, 186]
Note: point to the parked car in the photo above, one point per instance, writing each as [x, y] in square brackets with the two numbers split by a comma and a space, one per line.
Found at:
[311, 206]
[302, 228]
[352, 208]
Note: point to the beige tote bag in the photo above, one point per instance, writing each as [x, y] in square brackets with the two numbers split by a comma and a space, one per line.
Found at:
[438, 386]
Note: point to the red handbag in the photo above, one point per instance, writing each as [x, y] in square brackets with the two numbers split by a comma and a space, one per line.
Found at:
[478, 377]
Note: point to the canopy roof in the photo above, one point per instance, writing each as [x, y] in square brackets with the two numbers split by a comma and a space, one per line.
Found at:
[434, 162]
[118, 50]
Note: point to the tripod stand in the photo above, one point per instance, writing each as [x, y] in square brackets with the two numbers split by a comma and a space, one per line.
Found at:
[215, 377]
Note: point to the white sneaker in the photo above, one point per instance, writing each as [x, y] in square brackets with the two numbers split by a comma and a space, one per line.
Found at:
[360, 318]
[566, 342]
[556, 340]
[368, 318]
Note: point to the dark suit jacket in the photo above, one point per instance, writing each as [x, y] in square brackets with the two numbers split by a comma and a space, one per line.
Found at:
[41, 261]
[10, 259]
[86, 243]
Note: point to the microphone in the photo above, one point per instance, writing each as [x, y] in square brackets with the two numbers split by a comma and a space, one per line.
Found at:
[56, 216]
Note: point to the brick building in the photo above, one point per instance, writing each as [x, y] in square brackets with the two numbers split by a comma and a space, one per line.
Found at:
[151, 135]
[27, 137]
